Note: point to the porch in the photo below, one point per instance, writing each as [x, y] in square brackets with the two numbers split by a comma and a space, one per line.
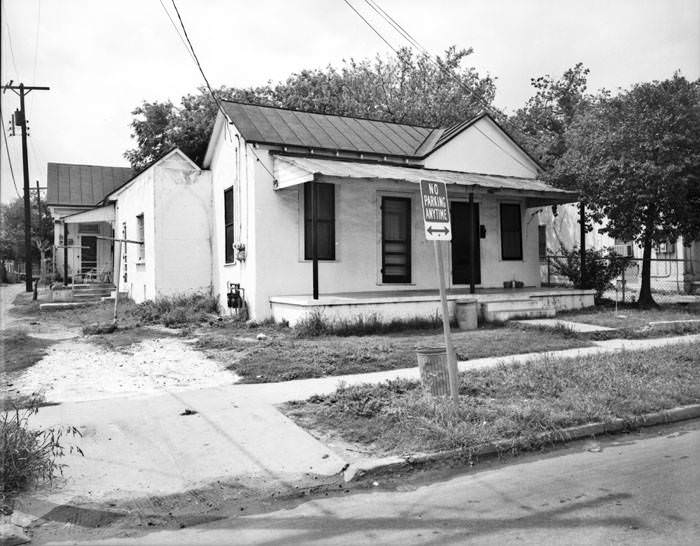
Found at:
[406, 304]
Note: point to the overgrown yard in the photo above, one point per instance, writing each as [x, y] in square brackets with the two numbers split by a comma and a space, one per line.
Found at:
[632, 317]
[515, 403]
[20, 351]
[283, 356]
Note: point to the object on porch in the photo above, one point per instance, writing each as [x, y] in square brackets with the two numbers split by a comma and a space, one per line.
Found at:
[467, 312]
[508, 284]
[432, 365]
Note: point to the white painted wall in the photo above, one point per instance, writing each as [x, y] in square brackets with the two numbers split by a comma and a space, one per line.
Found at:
[482, 148]
[175, 200]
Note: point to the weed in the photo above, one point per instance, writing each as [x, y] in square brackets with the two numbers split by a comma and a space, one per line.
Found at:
[513, 403]
[177, 310]
[30, 455]
[316, 324]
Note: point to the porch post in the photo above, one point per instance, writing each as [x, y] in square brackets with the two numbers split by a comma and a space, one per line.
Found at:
[65, 253]
[314, 236]
[472, 241]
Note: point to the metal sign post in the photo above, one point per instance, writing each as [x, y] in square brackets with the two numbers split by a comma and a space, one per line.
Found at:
[436, 217]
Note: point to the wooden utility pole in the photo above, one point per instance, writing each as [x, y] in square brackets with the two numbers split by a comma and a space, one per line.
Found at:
[20, 118]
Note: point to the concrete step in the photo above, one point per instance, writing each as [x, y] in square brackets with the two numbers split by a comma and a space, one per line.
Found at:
[527, 313]
[95, 291]
[87, 297]
[65, 305]
[93, 285]
[504, 305]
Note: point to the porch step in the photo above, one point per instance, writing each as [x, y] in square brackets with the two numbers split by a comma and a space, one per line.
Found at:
[528, 313]
[504, 305]
[93, 285]
[92, 291]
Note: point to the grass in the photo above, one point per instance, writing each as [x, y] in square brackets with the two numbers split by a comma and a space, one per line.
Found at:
[21, 351]
[283, 356]
[630, 317]
[361, 325]
[29, 455]
[514, 403]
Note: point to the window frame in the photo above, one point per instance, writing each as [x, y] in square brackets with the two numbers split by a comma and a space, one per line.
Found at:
[141, 236]
[229, 251]
[514, 257]
[328, 254]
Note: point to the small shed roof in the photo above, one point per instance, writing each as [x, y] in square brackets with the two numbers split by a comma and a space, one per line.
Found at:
[82, 185]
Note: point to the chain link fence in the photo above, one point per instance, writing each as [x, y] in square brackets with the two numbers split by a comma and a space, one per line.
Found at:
[671, 279]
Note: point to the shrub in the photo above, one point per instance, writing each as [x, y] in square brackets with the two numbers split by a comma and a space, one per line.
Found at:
[602, 266]
[176, 310]
[30, 455]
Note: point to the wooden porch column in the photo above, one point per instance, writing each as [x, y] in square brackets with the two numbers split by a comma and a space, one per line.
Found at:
[65, 253]
[314, 236]
[472, 242]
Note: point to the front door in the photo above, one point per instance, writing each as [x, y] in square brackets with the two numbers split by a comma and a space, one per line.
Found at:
[396, 240]
[462, 241]
[88, 254]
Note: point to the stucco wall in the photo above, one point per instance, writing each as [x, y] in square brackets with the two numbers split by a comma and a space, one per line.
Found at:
[481, 148]
[182, 231]
[278, 243]
[137, 278]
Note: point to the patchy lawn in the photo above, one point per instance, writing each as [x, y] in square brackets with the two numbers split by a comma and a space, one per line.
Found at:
[283, 356]
[517, 402]
[20, 351]
[632, 317]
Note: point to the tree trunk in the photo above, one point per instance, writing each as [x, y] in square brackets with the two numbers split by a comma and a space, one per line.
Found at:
[646, 301]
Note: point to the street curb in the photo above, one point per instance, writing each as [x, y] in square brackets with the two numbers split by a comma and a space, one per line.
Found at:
[373, 467]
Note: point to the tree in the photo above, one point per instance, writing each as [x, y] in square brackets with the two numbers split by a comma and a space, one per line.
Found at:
[636, 159]
[12, 233]
[542, 123]
[406, 88]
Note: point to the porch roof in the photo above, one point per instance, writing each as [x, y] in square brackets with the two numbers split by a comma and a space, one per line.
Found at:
[99, 214]
[292, 170]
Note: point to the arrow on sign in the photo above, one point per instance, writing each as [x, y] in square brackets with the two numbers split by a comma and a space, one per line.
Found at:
[432, 230]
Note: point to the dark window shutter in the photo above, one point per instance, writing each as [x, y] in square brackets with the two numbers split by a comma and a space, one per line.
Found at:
[511, 232]
[542, 241]
[325, 221]
[228, 226]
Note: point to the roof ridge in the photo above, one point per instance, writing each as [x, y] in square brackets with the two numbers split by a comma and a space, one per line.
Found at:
[243, 103]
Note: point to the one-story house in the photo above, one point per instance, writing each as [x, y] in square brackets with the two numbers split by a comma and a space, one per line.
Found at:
[275, 181]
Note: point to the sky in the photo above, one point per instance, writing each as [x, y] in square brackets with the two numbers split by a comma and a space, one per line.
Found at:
[102, 58]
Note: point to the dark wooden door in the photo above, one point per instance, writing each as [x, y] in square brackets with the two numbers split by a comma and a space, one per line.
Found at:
[88, 253]
[462, 241]
[396, 240]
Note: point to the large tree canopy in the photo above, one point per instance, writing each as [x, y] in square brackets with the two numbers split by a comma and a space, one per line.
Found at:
[635, 157]
[405, 88]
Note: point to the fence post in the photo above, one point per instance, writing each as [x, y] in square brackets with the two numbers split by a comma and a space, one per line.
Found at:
[623, 283]
[549, 273]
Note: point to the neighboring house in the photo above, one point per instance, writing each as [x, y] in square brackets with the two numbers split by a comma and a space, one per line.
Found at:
[74, 189]
[246, 219]
[675, 265]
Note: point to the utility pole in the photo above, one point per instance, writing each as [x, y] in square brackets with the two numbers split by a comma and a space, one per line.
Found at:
[20, 118]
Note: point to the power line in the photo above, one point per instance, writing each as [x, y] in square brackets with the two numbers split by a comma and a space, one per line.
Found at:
[9, 42]
[211, 91]
[421, 49]
[9, 159]
[177, 30]
[36, 38]
[371, 26]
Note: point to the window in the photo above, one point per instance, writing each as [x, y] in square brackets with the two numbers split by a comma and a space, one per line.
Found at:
[141, 249]
[542, 241]
[624, 248]
[89, 228]
[325, 221]
[229, 253]
[396, 240]
[511, 232]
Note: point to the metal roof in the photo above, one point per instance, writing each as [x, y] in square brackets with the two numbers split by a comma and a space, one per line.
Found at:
[292, 170]
[82, 185]
[271, 125]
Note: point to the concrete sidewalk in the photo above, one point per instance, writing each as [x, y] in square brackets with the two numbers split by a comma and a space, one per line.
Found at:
[139, 446]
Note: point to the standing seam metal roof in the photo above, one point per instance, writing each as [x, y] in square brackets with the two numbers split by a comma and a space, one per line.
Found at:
[271, 125]
[82, 185]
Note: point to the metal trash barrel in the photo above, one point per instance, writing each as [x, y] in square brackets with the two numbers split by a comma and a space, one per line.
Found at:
[466, 313]
[432, 365]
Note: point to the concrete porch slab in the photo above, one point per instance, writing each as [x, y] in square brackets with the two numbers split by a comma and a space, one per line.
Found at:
[578, 327]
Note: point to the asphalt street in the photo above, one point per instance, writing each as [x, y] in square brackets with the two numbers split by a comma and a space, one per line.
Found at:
[631, 489]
